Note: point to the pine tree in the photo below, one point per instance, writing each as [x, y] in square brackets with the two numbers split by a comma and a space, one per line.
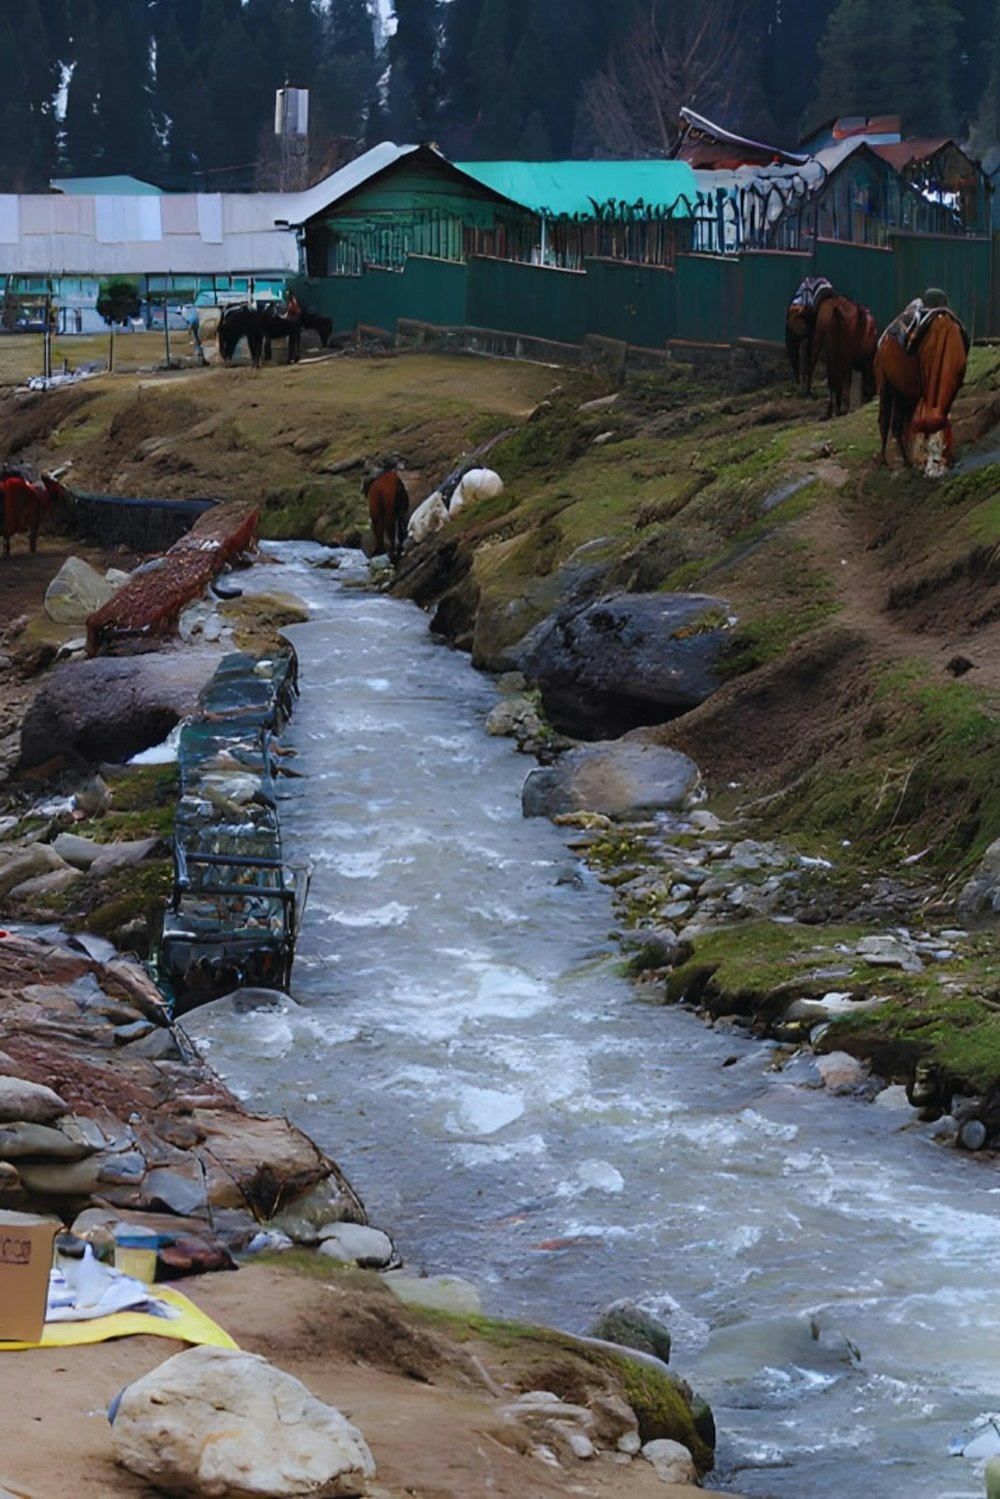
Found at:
[39, 63]
[413, 78]
[881, 59]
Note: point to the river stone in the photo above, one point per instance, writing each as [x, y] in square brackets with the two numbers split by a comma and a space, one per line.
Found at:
[625, 779]
[20, 1139]
[112, 707]
[222, 1423]
[52, 883]
[120, 855]
[628, 1325]
[882, 950]
[671, 1461]
[78, 851]
[31, 1102]
[841, 1073]
[625, 660]
[355, 1243]
[77, 591]
[17, 865]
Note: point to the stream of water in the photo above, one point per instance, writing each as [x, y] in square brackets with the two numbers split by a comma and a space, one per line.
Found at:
[511, 1113]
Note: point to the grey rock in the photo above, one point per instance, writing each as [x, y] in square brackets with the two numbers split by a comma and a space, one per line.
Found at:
[626, 660]
[109, 708]
[80, 852]
[121, 855]
[31, 1102]
[671, 1461]
[626, 1324]
[355, 1243]
[625, 778]
[19, 864]
[21, 1139]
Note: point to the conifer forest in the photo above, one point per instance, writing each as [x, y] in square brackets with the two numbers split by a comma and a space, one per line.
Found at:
[181, 93]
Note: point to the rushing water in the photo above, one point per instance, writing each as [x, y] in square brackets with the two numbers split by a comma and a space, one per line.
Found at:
[511, 1113]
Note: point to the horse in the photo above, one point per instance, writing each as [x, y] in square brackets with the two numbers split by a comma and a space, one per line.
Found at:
[800, 321]
[304, 318]
[26, 503]
[388, 507]
[844, 336]
[255, 325]
[919, 369]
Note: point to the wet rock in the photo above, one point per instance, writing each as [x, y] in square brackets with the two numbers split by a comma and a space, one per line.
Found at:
[622, 779]
[624, 661]
[356, 1243]
[110, 708]
[215, 1421]
[625, 1323]
[841, 1073]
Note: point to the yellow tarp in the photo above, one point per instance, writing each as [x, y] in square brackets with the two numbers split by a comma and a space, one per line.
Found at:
[192, 1326]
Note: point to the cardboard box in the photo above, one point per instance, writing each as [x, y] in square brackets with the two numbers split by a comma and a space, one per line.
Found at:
[25, 1261]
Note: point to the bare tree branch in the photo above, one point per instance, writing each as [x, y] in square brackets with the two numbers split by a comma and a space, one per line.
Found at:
[694, 54]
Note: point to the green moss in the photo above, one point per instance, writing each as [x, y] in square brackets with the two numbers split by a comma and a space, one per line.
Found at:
[654, 1394]
[959, 1034]
[755, 957]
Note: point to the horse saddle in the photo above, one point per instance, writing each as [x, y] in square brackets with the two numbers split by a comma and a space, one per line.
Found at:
[811, 292]
[909, 328]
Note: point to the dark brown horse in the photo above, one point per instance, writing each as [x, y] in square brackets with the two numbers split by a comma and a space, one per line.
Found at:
[258, 326]
[919, 370]
[844, 337]
[389, 509]
[26, 503]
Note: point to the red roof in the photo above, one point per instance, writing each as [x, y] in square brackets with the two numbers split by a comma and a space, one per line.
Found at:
[901, 153]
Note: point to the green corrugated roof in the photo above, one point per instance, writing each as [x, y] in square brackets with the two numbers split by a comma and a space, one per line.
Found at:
[119, 187]
[554, 188]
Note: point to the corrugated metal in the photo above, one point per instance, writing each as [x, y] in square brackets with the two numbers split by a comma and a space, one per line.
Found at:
[770, 280]
[961, 267]
[862, 272]
[631, 302]
[538, 301]
[709, 297]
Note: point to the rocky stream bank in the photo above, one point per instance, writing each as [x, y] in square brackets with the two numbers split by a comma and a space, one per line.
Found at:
[110, 1121]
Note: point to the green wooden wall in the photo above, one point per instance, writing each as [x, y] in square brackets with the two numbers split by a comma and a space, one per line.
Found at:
[706, 299]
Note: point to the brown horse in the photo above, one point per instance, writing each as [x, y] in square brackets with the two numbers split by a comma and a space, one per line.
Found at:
[845, 337]
[26, 503]
[919, 370]
[800, 323]
[389, 509]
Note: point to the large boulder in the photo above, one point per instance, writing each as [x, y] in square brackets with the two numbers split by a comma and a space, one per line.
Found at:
[623, 779]
[218, 1422]
[625, 660]
[112, 707]
[77, 590]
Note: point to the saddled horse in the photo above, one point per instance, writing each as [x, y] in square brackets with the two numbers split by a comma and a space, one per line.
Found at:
[844, 337]
[256, 325]
[25, 502]
[388, 508]
[800, 323]
[919, 369]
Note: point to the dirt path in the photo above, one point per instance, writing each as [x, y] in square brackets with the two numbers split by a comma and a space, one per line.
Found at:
[892, 589]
